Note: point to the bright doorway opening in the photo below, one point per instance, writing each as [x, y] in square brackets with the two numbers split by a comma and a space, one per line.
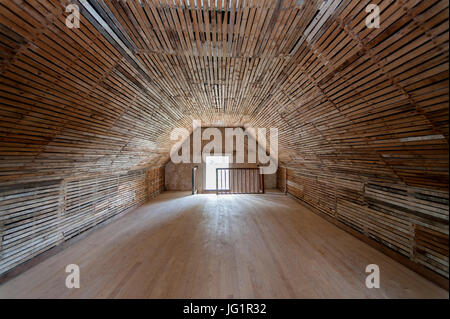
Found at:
[212, 163]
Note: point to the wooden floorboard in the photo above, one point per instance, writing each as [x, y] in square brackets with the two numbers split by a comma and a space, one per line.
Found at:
[226, 246]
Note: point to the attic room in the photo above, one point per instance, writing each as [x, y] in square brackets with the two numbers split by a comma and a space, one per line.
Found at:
[226, 149]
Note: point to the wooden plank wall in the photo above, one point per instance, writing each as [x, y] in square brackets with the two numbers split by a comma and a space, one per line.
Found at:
[37, 216]
[281, 179]
[362, 113]
[411, 221]
[343, 96]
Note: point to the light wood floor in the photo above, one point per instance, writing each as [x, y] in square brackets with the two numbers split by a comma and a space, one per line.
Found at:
[227, 246]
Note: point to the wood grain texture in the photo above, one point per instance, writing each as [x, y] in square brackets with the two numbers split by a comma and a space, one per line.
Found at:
[408, 220]
[226, 246]
[347, 99]
[35, 217]
[356, 108]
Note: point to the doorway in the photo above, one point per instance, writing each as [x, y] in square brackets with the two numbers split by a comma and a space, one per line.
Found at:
[212, 163]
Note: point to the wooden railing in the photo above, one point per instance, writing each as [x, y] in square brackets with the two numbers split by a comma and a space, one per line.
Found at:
[194, 180]
[239, 181]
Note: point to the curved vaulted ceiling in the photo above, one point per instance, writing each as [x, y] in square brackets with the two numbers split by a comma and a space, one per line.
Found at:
[347, 99]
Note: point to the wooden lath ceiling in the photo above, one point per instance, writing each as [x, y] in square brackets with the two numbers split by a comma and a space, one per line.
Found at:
[347, 100]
